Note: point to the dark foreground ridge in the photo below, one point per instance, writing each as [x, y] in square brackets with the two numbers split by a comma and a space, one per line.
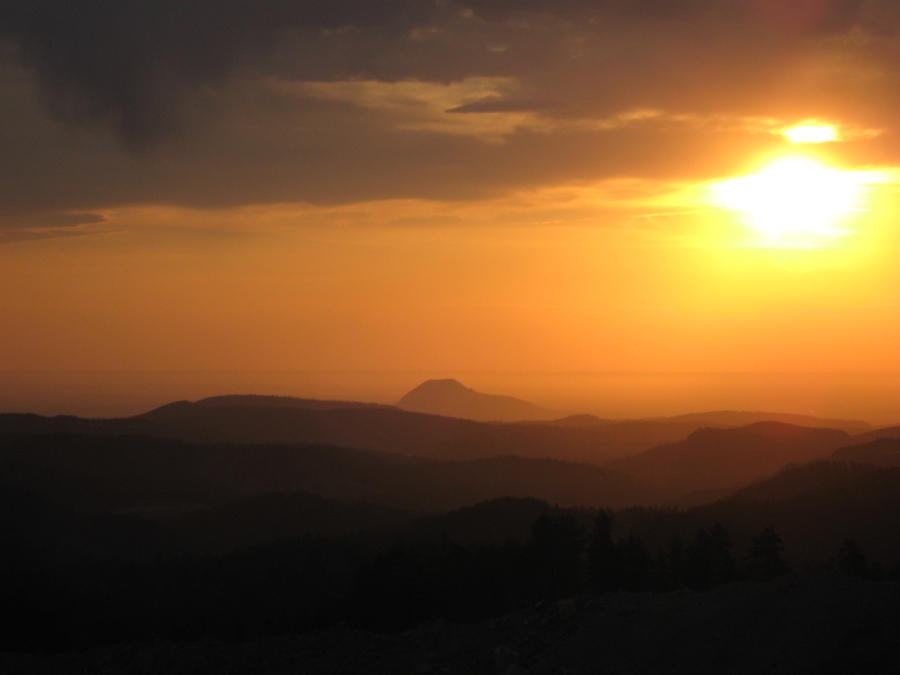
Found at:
[164, 544]
[829, 624]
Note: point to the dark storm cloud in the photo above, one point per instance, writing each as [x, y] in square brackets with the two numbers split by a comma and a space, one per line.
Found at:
[794, 15]
[131, 62]
[227, 82]
[51, 220]
[499, 105]
[31, 226]
[330, 152]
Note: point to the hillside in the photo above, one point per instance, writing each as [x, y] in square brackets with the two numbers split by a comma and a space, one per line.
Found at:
[884, 452]
[813, 507]
[453, 399]
[722, 459]
[822, 625]
[254, 420]
[274, 419]
[260, 401]
[736, 418]
[149, 475]
[881, 432]
[824, 479]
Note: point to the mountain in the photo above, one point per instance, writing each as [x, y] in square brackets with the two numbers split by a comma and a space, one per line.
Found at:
[452, 399]
[395, 430]
[819, 479]
[579, 421]
[817, 505]
[140, 475]
[258, 401]
[272, 419]
[884, 452]
[874, 434]
[724, 419]
[492, 522]
[257, 419]
[813, 507]
[740, 418]
[723, 459]
[269, 517]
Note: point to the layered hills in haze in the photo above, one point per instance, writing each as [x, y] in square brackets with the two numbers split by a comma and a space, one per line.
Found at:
[257, 419]
[739, 418]
[723, 459]
[673, 458]
[403, 459]
[316, 512]
[145, 474]
[451, 398]
[884, 452]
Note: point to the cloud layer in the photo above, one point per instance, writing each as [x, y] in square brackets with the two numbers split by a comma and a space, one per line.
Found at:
[224, 102]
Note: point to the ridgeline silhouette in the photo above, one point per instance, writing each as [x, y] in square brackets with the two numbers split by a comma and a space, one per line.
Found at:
[452, 399]
[177, 525]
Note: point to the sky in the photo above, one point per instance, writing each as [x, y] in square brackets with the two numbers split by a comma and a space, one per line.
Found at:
[338, 199]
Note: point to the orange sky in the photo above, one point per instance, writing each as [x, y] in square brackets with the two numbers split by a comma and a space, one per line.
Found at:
[505, 194]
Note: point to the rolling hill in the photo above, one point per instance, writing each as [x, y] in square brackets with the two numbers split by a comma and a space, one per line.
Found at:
[725, 459]
[739, 418]
[144, 475]
[881, 432]
[242, 419]
[884, 452]
[275, 419]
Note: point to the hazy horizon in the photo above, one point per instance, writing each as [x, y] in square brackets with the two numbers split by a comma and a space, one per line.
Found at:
[453, 189]
[861, 396]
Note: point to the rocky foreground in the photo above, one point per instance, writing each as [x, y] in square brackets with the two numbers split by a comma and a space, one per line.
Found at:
[822, 625]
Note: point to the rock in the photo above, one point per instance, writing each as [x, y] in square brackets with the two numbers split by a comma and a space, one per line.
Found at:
[516, 669]
[504, 658]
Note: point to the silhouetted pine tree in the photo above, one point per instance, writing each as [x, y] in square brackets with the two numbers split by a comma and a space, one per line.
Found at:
[636, 564]
[723, 564]
[765, 557]
[557, 542]
[697, 569]
[675, 564]
[709, 559]
[851, 560]
[603, 562]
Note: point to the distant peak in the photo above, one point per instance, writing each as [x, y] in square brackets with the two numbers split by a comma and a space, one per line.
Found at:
[451, 398]
[444, 383]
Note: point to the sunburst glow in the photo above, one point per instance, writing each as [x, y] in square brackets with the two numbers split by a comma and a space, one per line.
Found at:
[811, 133]
[796, 202]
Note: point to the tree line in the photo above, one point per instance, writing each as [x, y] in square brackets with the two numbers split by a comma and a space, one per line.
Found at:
[314, 582]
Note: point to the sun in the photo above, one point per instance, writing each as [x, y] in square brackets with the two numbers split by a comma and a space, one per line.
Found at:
[795, 202]
[811, 133]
